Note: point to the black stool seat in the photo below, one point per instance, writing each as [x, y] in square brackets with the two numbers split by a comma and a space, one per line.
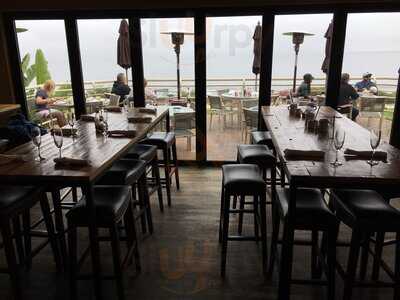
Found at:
[14, 197]
[143, 152]
[242, 178]
[255, 154]
[124, 171]
[311, 209]
[110, 203]
[367, 209]
[261, 138]
[160, 139]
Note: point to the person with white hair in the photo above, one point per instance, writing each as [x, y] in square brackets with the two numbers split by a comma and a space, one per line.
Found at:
[366, 84]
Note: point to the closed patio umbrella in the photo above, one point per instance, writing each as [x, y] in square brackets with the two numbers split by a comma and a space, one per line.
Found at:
[123, 48]
[328, 44]
[257, 51]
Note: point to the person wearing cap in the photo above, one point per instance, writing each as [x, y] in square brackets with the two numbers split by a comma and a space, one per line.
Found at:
[347, 94]
[366, 84]
[304, 89]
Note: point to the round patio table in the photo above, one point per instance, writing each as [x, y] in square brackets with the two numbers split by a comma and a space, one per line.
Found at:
[239, 102]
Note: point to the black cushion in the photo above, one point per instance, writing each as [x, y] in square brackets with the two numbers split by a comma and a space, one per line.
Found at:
[366, 208]
[160, 139]
[261, 138]
[110, 203]
[311, 211]
[3, 145]
[242, 178]
[124, 171]
[14, 198]
[143, 152]
[256, 154]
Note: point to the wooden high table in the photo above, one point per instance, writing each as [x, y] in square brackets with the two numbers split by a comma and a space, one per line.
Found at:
[102, 153]
[289, 133]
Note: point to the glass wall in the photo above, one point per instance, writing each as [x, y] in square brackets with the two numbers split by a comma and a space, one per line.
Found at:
[44, 56]
[160, 56]
[372, 47]
[232, 86]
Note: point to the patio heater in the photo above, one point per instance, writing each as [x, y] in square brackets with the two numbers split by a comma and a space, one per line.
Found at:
[297, 39]
[177, 39]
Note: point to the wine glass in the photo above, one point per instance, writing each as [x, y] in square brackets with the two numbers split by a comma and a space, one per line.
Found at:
[36, 136]
[58, 138]
[71, 122]
[375, 139]
[338, 142]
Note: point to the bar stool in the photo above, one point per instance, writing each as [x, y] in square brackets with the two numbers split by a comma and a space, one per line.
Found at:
[132, 172]
[365, 212]
[148, 153]
[310, 213]
[14, 202]
[113, 205]
[166, 142]
[242, 180]
[261, 156]
[262, 138]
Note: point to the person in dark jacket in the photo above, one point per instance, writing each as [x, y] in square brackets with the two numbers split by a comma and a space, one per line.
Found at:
[347, 94]
[120, 87]
[304, 89]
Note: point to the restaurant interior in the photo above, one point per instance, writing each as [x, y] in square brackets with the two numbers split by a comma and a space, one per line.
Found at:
[131, 187]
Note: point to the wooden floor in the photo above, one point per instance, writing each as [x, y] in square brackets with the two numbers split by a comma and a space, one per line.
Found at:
[181, 259]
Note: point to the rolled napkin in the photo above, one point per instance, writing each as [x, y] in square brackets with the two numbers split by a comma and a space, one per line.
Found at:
[148, 110]
[87, 118]
[122, 133]
[293, 154]
[71, 162]
[113, 108]
[10, 158]
[139, 119]
[66, 131]
[379, 155]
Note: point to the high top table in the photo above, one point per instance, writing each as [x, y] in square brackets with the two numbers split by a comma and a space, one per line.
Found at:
[289, 133]
[102, 153]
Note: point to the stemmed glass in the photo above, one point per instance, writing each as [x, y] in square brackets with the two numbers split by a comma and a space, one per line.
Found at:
[36, 136]
[375, 139]
[338, 142]
[58, 138]
[71, 122]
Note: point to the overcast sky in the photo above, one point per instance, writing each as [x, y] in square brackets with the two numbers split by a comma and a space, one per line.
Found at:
[372, 44]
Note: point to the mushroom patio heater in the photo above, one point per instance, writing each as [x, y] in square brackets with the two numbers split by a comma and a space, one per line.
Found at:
[297, 39]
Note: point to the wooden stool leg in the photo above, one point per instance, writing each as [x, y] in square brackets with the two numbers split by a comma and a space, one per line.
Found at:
[364, 256]
[221, 213]
[256, 218]
[132, 240]
[142, 205]
[73, 261]
[175, 161]
[380, 238]
[60, 225]
[48, 220]
[167, 170]
[274, 240]
[314, 254]
[156, 174]
[396, 294]
[144, 193]
[242, 199]
[263, 216]
[116, 253]
[18, 239]
[225, 229]
[352, 264]
[285, 272]
[331, 262]
[11, 259]
[26, 225]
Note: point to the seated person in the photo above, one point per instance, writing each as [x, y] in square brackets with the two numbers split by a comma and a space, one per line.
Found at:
[347, 94]
[43, 100]
[120, 87]
[366, 84]
[149, 93]
[304, 89]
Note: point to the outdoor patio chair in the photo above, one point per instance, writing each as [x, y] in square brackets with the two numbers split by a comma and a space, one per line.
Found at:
[372, 108]
[216, 108]
[184, 126]
[250, 122]
[114, 100]
[231, 108]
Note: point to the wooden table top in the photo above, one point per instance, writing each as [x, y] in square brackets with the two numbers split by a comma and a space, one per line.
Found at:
[289, 133]
[6, 108]
[101, 152]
